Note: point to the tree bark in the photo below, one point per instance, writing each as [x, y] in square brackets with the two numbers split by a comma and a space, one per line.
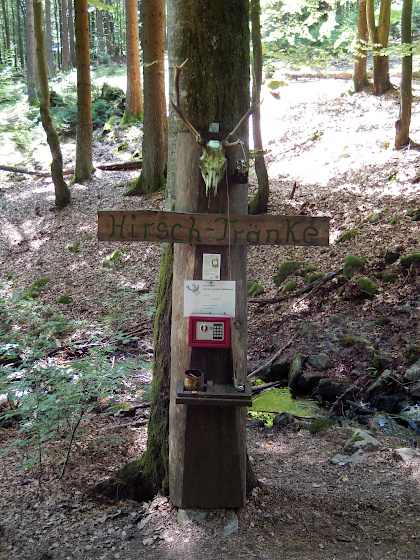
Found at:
[71, 34]
[155, 125]
[62, 192]
[259, 203]
[48, 40]
[83, 168]
[133, 100]
[360, 79]
[379, 35]
[100, 34]
[402, 137]
[31, 63]
[65, 52]
[207, 455]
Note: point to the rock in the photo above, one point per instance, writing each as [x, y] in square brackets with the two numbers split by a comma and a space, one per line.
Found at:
[343, 459]
[413, 373]
[405, 453]
[283, 419]
[232, 526]
[412, 354]
[285, 269]
[187, 516]
[308, 381]
[381, 362]
[253, 288]
[392, 255]
[415, 390]
[276, 371]
[331, 389]
[379, 386]
[321, 362]
[360, 439]
[295, 371]
[352, 265]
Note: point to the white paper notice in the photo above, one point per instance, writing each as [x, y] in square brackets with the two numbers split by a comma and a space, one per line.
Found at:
[209, 298]
[211, 266]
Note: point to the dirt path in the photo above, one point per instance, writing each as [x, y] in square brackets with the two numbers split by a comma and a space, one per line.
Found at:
[334, 147]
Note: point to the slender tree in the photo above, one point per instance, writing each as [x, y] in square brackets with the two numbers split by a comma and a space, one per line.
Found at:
[258, 205]
[379, 36]
[100, 30]
[403, 123]
[48, 39]
[65, 52]
[83, 168]
[71, 34]
[155, 126]
[31, 63]
[360, 79]
[62, 192]
[133, 100]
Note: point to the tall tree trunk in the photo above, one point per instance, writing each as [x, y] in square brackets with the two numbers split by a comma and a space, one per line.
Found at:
[71, 34]
[83, 169]
[48, 40]
[403, 123]
[133, 100]
[31, 63]
[100, 33]
[215, 89]
[360, 79]
[155, 125]
[259, 203]
[6, 25]
[65, 53]
[20, 38]
[379, 35]
[62, 192]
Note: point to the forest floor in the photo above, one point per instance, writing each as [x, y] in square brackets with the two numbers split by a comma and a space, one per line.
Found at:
[334, 151]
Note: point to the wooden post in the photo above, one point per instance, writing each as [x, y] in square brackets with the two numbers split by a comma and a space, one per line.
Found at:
[207, 464]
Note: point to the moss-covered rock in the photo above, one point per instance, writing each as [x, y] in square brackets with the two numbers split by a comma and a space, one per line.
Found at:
[285, 269]
[407, 261]
[310, 278]
[346, 340]
[382, 321]
[375, 218]
[352, 265]
[389, 278]
[320, 425]
[253, 288]
[307, 270]
[367, 286]
[412, 354]
[291, 285]
[347, 235]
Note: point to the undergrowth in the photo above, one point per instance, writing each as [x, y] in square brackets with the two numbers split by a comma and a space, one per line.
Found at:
[49, 393]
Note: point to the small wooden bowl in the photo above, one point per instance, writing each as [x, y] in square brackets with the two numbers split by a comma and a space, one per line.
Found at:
[194, 380]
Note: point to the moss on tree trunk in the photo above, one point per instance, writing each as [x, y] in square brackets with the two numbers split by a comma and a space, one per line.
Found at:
[141, 479]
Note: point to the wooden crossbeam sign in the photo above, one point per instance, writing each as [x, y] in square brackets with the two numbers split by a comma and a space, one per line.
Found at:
[211, 229]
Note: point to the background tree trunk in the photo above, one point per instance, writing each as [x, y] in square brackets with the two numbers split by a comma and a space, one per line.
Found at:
[71, 34]
[83, 169]
[258, 205]
[48, 40]
[100, 29]
[133, 100]
[155, 125]
[31, 63]
[379, 35]
[403, 124]
[62, 192]
[360, 79]
[65, 53]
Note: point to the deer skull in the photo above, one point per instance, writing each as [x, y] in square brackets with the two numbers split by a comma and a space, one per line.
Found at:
[213, 162]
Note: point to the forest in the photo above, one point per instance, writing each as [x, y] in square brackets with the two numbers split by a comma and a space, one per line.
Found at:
[311, 108]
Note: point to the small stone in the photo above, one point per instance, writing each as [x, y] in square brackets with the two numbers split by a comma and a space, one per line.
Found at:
[405, 453]
[320, 362]
[148, 541]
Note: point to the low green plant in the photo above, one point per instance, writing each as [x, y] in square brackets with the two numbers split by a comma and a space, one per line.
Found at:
[347, 235]
[289, 286]
[75, 247]
[33, 291]
[346, 340]
[50, 397]
[64, 299]
[382, 321]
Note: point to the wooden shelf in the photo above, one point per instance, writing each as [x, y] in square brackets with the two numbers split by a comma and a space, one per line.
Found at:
[214, 395]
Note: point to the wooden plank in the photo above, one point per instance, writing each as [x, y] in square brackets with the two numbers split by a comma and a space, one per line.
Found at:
[211, 229]
[215, 395]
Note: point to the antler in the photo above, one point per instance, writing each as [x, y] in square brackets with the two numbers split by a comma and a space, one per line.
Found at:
[194, 132]
[226, 142]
